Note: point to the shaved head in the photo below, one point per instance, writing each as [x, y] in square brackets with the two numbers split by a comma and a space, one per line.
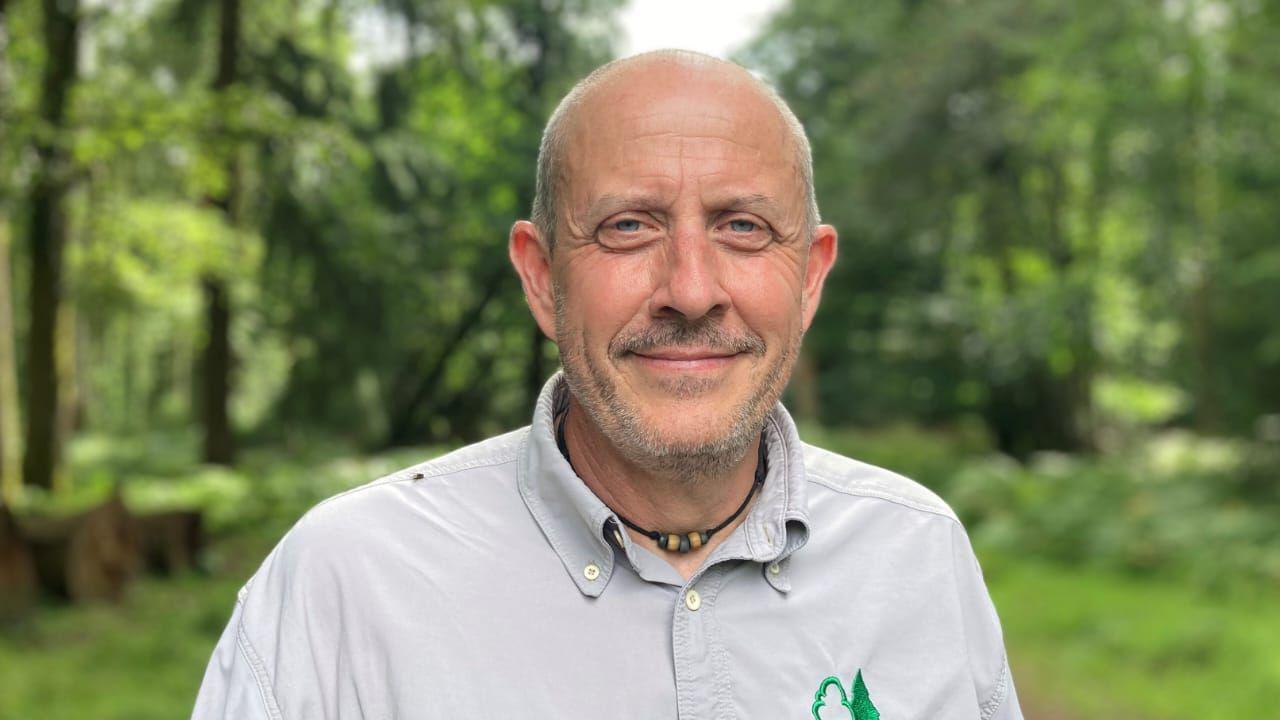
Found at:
[565, 125]
[676, 259]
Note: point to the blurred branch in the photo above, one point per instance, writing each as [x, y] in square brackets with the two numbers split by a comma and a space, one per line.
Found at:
[403, 428]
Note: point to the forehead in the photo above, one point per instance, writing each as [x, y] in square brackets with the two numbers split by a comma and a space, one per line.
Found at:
[675, 129]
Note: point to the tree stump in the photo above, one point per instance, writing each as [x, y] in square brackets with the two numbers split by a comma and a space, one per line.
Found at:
[17, 570]
[170, 541]
[85, 557]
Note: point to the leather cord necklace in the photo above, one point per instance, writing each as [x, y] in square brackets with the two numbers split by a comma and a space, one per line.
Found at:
[679, 542]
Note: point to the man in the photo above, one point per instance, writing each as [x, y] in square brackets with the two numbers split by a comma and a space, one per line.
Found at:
[659, 543]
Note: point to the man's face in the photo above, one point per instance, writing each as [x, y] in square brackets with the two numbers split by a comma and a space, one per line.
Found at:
[682, 272]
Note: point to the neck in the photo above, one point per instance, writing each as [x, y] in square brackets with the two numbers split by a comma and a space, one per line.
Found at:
[667, 502]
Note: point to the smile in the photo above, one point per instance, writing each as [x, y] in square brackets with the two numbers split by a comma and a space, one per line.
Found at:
[685, 360]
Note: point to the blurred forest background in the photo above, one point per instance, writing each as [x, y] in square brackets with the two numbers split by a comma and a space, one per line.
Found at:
[253, 253]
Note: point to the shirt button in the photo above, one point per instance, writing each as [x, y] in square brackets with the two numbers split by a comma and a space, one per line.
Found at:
[774, 568]
[591, 571]
[692, 600]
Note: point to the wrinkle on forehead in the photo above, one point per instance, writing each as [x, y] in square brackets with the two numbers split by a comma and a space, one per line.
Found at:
[651, 141]
[669, 144]
[692, 98]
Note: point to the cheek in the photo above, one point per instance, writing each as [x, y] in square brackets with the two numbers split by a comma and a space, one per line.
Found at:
[603, 295]
[767, 295]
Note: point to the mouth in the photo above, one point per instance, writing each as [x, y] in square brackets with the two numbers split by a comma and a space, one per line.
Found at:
[686, 359]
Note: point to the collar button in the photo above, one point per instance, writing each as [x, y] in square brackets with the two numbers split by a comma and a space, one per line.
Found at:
[591, 571]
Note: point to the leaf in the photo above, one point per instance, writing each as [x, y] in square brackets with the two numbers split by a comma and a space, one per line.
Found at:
[861, 704]
[819, 697]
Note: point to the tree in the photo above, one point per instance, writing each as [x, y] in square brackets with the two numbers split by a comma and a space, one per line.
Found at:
[47, 237]
[10, 427]
[216, 357]
[1036, 200]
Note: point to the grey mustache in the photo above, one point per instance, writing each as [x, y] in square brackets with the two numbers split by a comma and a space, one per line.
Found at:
[706, 335]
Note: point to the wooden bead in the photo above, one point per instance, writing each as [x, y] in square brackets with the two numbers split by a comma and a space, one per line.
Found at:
[695, 540]
[673, 542]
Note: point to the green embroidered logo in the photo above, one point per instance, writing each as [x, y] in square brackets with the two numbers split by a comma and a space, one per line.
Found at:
[859, 707]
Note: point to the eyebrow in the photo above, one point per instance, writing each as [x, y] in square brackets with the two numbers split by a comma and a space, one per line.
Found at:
[611, 203]
[760, 204]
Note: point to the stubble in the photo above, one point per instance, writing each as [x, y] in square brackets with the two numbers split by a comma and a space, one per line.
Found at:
[687, 461]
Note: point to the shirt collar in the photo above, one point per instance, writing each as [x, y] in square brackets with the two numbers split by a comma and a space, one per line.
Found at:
[576, 522]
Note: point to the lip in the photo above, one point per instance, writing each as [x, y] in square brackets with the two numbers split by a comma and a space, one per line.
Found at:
[685, 359]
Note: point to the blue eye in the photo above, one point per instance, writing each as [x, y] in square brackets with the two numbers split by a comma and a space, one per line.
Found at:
[627, 225]
[742, 226]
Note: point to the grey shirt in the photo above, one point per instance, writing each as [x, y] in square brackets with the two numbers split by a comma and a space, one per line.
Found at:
[490, 582]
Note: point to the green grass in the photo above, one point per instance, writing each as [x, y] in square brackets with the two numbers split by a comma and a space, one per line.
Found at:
[138, 661]
[1100, 645]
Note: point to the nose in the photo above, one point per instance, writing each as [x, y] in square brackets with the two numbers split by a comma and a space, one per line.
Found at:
[690, 279]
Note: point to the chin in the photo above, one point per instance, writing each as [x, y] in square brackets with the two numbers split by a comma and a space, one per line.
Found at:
[694, 429]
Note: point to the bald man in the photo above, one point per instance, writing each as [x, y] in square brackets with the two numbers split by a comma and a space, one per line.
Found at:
[659, 542]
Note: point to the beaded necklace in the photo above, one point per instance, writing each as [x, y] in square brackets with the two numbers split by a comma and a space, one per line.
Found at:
[679, 542]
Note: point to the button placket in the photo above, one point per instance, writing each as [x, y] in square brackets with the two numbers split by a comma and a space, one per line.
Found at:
[696, 650]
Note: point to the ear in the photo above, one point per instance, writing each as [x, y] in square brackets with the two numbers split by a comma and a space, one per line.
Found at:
[533, 264]
[822, 255]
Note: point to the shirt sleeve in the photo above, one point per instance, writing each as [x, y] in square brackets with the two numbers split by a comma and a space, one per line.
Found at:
[235, 684]
[988, 661]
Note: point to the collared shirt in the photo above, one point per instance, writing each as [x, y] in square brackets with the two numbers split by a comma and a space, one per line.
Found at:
[490, 582]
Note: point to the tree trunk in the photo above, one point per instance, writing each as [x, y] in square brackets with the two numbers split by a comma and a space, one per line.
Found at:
[536, 374]
[68, 413]
[10, 423]
[1029, 406]
[170, 542]
[216, 359]
[803, 390]
[87, 557]
[47, 239]
[17, 570]
[216, 374]
[1076, 273]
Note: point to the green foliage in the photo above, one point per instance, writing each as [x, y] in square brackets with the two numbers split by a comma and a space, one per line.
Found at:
[1205, 510]
[929, 456]
[1036, 197]
[1087, 643]
[1170, 506]
[141, 662]
[1137, 402]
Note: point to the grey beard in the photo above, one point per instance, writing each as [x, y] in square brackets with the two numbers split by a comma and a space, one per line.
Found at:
[684, 463]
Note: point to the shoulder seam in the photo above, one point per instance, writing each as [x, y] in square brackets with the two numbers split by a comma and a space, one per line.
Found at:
[259, 670]
[450, 468]
[405, 475]
[881, 495]
[999, 693]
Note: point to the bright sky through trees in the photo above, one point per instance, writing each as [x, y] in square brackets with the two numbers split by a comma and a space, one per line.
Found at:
[715, 27]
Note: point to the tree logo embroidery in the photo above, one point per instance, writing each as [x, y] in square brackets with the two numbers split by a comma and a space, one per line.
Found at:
[859, 706]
